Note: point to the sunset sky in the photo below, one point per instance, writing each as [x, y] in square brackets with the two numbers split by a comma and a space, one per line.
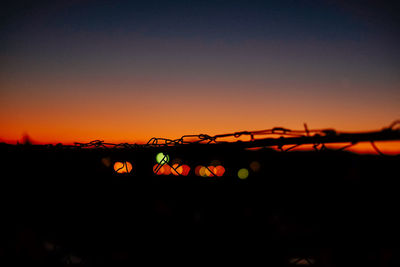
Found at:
[126, 71]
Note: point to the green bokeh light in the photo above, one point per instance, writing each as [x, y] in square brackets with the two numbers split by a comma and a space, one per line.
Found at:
[162, 158]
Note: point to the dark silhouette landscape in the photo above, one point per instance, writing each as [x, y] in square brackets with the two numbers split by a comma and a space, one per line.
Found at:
[67, 205]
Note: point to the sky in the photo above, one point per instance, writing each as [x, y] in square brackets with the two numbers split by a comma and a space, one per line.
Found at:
[126, 71]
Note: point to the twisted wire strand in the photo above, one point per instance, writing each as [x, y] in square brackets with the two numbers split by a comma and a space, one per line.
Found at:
[207, 139]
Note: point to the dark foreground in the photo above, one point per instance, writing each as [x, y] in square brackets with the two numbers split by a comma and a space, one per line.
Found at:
[64, 207]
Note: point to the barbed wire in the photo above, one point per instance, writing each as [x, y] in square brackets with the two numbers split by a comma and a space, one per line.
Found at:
[316, 137]
[205, 138]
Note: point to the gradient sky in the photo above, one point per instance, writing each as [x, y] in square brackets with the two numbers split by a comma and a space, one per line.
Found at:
[129, 70]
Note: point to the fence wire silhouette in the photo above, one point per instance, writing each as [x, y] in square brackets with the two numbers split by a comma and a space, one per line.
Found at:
[287, 140]
[315, 137]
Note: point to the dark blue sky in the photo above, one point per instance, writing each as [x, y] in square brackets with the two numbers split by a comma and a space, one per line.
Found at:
[287, 60]
[229, 20]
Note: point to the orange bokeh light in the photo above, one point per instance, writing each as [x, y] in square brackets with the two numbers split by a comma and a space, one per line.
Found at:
[157, 169]
[122, 167]
[176, 169]
[167, 169]
[209, 171]
[162, 170]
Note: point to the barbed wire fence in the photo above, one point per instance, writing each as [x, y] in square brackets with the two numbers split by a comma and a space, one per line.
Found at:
[315, 137]
[276, 137]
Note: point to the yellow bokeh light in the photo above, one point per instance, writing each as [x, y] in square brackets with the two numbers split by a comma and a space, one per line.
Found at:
[202, 171]
[243, 173]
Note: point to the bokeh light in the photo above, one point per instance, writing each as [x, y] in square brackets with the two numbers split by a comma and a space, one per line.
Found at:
[158, 169]
[255, 166]
[197, 170]
[167, 169]
[243, 173]
[219, 170]
[176, 169]
[162, 158]
[161, 169]
[185, 170]
[202, 171]
[209, 171]
[106, 162]
[122, 167]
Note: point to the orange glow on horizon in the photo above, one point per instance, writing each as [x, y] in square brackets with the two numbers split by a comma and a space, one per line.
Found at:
[58, 114]
[385, 147]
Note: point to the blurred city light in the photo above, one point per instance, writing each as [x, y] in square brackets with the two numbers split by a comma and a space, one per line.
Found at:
[243, 173]
[219, 170]
[197, 170]
[176, 169]
[158, 169]
[185, 170]
[255, 166]
[209, 171]
[162, 169]
[202, 171]
[166, 169]
[106, 162]
[162, 158]
[122, 167]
